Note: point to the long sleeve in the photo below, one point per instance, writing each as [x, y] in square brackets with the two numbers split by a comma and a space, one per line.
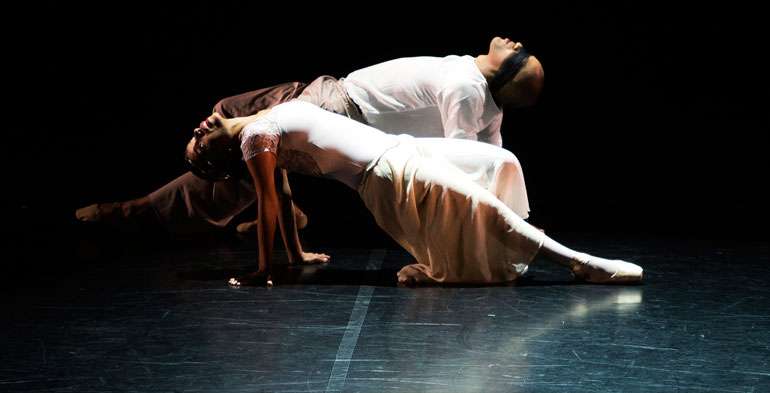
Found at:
[462, 107]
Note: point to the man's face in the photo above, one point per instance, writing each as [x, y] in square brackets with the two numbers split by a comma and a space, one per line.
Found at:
[532, 70]
[500, 49]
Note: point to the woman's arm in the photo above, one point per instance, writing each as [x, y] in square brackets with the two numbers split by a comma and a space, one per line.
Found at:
[288, 224]
[262, 168]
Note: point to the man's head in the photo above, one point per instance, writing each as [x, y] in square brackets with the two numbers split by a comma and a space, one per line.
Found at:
[518, 75]
[212, 153]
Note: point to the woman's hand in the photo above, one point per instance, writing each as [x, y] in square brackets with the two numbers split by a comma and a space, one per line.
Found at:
[257, 278]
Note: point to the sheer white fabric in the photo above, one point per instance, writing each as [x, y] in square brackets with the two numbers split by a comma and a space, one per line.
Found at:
[317, 142]
[495, 169]
[439, 198]
[427, 97]
[455, 229]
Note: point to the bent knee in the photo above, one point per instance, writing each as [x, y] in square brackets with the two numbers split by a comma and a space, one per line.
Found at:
[220, 107]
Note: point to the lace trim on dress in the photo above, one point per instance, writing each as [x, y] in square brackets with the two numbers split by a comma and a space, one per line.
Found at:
[260, 136]
[263, 135]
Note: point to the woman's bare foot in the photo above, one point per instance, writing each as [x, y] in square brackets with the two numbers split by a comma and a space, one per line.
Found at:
[599, 270]
[410, 274]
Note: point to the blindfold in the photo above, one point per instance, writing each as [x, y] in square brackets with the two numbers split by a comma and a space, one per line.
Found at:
[510, 67]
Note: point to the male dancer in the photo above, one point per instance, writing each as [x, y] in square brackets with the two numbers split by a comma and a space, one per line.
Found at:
[458, 97]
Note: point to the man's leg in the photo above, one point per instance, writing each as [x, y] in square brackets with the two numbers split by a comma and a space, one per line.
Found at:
[190, 204]
[186, 205]
[249, 103]
[168, 204]
[131, 216]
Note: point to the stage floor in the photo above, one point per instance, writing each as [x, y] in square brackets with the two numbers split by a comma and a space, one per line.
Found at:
[91, 312]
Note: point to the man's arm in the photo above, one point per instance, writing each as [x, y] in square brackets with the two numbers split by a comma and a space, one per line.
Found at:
[462, 107]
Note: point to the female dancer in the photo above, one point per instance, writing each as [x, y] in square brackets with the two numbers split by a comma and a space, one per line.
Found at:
[420, 191]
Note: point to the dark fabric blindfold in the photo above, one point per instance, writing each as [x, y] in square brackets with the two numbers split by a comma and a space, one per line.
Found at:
[510, 67]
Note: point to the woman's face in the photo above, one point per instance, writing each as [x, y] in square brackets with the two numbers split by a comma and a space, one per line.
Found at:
[209, 135]
[210, 139]
[210, 143]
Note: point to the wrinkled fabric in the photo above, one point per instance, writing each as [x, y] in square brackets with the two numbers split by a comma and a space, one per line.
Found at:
[316, 142]
[495, 169]
[189, 204]
[457, 230]
[328, 92]
[428, 96]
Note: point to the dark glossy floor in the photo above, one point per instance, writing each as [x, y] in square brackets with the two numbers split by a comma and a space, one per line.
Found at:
[99, 312]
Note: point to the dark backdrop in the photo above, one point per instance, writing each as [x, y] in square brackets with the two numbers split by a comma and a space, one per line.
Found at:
[652, 119]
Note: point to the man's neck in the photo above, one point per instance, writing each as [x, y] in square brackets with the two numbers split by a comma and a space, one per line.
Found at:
[483, 64]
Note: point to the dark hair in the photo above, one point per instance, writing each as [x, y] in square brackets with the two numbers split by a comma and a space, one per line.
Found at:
[510, 67]
[232, 167]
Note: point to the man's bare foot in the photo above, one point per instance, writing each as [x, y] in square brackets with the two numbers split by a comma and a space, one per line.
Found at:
[256, 278]
[132, 216]
[110, 214]
[89, 213]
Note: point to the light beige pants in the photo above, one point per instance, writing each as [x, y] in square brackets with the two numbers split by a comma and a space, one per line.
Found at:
[189, 204]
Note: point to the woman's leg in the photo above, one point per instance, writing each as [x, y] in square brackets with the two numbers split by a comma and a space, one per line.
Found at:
[497, 170]
[588, 267]
[459, 231]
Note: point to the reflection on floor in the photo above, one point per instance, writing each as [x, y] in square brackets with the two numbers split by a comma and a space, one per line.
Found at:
[113, 313]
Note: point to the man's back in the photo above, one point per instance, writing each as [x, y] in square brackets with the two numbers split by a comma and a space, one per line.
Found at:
[427, 97]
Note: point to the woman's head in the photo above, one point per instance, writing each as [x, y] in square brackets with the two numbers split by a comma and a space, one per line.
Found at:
[213, 152]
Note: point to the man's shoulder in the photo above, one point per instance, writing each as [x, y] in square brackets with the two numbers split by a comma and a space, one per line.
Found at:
[449, 61]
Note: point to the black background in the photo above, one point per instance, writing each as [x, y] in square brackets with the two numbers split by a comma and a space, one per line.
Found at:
[652, 119]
